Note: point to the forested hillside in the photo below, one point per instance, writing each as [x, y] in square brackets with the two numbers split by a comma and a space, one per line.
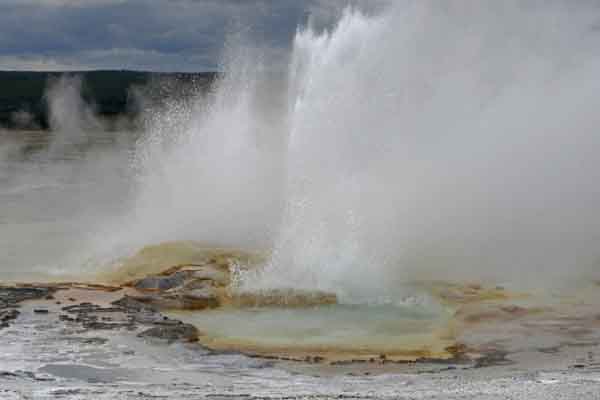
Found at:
[23, 104]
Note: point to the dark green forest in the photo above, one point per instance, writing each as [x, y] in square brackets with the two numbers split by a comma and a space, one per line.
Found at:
[111, 93]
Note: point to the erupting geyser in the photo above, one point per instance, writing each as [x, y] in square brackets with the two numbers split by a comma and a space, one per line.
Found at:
[441, 141]
[425, 140]
[404, 187]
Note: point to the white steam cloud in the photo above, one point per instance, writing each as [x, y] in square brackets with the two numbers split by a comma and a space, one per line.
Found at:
[429, 141]
[426, 141]
[443, 141]
[69, 115]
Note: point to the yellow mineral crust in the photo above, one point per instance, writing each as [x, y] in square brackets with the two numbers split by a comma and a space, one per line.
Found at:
[165, 257]
[190, 276]
[456, 294]
[427, 348]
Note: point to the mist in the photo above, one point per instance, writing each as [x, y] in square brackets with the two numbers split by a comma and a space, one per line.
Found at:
[424, 142]
[413, 141]
[443, 142]
[57, 186]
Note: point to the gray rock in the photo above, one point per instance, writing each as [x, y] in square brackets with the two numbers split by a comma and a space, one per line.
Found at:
[10, 296]
[195, 299]
[86, 340]
[160, 301]
[132, 305]
[95, 325]
[95, 317]
[173, 332]
[91, 308]
[493, 358]
[8, 315]
[161, 282]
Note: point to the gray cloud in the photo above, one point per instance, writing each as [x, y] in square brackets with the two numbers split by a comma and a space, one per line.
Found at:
[169, 35]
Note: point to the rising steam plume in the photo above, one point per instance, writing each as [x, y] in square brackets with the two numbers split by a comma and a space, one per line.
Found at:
[58, 186]
[426, 140]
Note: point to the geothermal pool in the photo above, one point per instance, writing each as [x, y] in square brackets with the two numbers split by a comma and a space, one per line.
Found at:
[330, 331]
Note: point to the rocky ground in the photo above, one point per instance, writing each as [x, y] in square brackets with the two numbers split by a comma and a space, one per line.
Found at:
[114, 347]
[117, 341]
[122, 313]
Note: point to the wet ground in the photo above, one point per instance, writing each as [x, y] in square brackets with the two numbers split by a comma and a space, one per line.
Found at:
[46, 356]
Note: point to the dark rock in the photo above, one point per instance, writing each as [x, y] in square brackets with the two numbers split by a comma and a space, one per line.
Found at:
[90, 308]
[79, 308]
[132, 305]
[160, 301]
[314, 359]
[147, 318]
[6, 316]
[104, 325]
[171, 333]
[167, 321]
[85, 340]
[161, 282]
[24, 374]
[493, 358]
[549, 350]
[205, 295]
[86, 314]
[40, 311]
[64, 317]
[13, 295]
[130, 314]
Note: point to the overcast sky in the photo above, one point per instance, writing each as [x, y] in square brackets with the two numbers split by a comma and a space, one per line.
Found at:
[158, 35]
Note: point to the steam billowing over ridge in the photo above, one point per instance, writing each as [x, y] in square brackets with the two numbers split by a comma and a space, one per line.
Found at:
[427, 141]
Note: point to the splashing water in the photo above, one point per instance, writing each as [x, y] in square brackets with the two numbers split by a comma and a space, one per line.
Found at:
[425, 141]
[441, 141]
[428, 141]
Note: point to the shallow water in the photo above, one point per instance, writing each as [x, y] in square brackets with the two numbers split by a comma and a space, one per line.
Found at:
[339, 330]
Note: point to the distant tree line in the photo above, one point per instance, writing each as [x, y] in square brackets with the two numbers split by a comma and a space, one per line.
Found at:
[23, 104]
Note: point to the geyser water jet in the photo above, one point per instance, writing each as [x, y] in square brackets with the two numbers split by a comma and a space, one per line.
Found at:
[426, 141]
[441, 141]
